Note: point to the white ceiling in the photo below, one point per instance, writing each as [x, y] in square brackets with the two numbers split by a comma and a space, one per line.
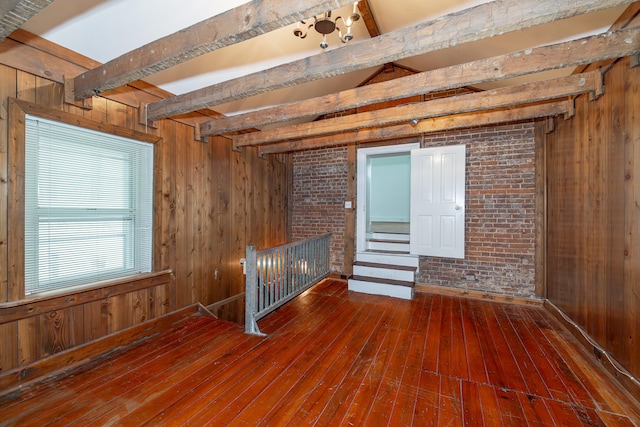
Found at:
[104, 29]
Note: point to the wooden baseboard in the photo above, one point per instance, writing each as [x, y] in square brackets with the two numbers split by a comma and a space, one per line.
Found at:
[486, 296]
[618, 373]
[61, 363]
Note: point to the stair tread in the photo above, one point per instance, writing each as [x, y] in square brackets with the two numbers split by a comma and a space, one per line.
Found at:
[399, 242]
[384, 281]
[378, 251]
[388, 233]
[387, 266]
[389, 236]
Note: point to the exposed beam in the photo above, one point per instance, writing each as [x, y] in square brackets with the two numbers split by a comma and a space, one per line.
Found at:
[625, 20]
[488, 100]
[233, 26]
[477, 23]
[367, 17]
[14, 13]
[436, 124]
[569, 54]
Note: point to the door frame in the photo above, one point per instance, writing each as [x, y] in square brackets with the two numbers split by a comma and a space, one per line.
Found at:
[362, 181]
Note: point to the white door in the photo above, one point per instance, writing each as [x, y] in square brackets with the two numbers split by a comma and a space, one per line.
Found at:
[437, 201]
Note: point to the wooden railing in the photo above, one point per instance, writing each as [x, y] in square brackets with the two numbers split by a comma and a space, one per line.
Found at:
[276, 275]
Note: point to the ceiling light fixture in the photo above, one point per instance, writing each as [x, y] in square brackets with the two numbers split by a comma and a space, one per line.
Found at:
[324, 25]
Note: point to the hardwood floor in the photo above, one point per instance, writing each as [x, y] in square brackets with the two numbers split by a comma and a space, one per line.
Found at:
[338, 358]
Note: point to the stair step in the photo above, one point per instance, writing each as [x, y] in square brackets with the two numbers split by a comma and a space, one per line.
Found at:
[384, 281]
[385, 257]
[376, 286]
[385, 271]
[387, 266]
[379, 251]
[389, 236]
[384, 245]
[390, 227]
[401, 242]
[388, 251]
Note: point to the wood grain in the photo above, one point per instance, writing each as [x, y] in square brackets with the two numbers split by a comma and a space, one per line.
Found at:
[474, 102]
[189, 176]
[7, 90]
[476, 23]
[409, 89]
[398, 133]
[335, 357]
[593, 221]
[17, 12]
[233, 26]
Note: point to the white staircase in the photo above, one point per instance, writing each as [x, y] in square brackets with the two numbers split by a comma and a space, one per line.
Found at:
[386, 268]
[388, 242]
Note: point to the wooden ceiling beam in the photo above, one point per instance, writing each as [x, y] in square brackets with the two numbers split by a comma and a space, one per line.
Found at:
[14, 13]
[487, 100]
[431, 125]
[233, 26]
[569, 54]
[477, 23]
[368, 19]
[624, 21]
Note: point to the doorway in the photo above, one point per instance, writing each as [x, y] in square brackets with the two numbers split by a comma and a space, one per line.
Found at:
[384, 198]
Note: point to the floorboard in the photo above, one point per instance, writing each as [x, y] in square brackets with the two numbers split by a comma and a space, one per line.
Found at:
[334, 357]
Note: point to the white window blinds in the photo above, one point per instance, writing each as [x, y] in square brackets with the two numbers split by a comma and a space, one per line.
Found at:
[88, 206]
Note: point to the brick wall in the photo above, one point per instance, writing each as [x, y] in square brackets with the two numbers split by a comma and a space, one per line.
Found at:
[500, 213]
[500, 198]
[319, 192]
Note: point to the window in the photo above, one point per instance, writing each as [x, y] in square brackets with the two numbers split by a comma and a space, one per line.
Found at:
[88, 205]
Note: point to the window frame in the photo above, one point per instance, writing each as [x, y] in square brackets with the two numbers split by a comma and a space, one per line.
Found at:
[18, 110]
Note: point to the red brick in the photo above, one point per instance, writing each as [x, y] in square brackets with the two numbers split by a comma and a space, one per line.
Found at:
[500, 217]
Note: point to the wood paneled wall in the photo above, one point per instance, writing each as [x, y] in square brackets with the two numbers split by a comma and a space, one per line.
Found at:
[213, 201]
[33, 330]
[593, 231]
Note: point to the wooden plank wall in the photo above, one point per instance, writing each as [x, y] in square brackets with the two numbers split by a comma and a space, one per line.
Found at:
[212, 203]
[33, 330]
[593, 234]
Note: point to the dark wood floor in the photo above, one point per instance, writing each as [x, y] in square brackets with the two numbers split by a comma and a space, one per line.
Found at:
[338, 358]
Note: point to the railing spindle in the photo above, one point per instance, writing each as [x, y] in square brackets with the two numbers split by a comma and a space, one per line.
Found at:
[276, 275]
